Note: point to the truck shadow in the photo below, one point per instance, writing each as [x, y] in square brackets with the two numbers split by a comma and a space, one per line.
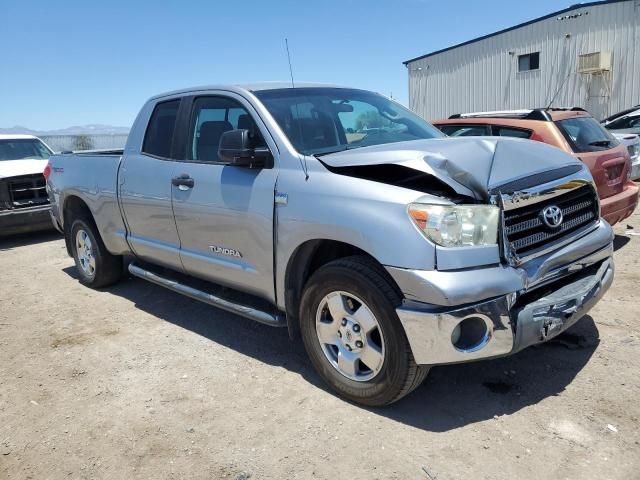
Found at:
[619, 241]
[452, 396]
[456, 395]
[32, 238]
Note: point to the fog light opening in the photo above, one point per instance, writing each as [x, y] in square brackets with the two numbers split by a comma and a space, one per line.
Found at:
[470, 335]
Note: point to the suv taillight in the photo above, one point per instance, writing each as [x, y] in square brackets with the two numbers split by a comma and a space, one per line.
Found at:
[537, 137]
[47, 171]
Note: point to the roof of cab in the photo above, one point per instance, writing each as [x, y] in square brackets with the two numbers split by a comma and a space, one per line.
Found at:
[246, 87]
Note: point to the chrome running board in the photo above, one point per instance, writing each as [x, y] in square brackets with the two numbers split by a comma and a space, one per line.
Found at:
[274, 319]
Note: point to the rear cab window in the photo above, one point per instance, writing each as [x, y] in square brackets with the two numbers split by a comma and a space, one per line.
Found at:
[585, 134]
[158, 138]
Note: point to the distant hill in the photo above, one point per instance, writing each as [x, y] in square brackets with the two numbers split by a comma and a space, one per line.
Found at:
[94, 129]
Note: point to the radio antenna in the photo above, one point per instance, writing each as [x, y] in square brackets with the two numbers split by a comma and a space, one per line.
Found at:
[303, 158]
[553, 99]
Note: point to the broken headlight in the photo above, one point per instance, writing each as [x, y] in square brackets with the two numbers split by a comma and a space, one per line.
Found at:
[457, 225]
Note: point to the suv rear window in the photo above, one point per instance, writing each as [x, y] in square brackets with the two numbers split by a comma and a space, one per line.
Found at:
[159, 136]
[584, 134]
[465, 130]
[512, 132]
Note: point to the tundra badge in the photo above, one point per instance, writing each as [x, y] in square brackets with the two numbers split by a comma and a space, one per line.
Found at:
[230, 252]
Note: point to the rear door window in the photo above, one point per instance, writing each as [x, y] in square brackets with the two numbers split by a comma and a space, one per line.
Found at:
[162, 125]
[584, 134]
[511, 132]
[465, 130]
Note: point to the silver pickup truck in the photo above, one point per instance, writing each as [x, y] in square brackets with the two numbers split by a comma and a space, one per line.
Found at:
[384, 246]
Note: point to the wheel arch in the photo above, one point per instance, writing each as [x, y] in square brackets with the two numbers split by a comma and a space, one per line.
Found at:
[72, 208]
[308, 258]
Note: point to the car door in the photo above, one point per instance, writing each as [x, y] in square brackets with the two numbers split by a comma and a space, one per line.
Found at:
[145, 190]
[225, 218]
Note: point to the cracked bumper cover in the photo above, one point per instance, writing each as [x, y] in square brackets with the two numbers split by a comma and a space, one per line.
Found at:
[527, 315]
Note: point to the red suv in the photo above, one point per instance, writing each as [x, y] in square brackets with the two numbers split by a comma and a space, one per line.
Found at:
[572, 130]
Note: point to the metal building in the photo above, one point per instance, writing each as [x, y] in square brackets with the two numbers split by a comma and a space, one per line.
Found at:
[587, 56]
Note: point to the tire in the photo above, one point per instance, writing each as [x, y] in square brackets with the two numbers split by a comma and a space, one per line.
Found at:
[96, 266]
[353, 283]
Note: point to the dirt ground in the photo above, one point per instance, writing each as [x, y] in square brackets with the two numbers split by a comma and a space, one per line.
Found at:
[137, 382]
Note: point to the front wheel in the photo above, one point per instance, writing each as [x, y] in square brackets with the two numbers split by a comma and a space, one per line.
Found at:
[353, 335]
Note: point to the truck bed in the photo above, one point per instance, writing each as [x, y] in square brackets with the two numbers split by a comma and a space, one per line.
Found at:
[92, 176]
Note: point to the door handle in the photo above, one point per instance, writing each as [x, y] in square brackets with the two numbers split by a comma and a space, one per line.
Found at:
[183, 182]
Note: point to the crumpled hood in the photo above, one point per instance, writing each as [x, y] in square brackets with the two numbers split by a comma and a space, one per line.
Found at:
[473, 165]
[26, 166]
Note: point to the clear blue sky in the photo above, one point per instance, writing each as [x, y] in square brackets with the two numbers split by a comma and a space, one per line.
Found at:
[78, 62]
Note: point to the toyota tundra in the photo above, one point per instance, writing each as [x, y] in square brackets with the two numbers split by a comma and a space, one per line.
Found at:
[382, 245]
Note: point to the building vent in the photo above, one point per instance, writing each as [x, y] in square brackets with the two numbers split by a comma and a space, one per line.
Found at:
[595, 62]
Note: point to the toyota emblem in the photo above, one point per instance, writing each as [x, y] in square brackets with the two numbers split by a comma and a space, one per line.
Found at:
[552, 216]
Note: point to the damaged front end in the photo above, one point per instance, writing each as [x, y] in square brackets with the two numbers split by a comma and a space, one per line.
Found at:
[550, 263]
[504, 325]
[469, 167]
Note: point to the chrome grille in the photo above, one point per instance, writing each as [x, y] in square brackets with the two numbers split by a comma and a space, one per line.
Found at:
[526, 232]
[27, 191]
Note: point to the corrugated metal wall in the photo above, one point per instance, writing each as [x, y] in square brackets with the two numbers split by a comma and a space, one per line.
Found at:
[60, 143]
[484, 75]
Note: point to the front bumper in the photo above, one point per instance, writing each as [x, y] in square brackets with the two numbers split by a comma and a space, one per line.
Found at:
[25, 220]
[519, 309]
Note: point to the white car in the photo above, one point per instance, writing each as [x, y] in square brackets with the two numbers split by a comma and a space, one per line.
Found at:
[632, 142]
[24, 203]
[625, 125]
[627, 121]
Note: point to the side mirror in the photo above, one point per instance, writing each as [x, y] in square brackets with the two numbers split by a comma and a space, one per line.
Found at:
[237, 147]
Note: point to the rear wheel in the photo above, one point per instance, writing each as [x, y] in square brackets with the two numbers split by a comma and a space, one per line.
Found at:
[353, 335]
[96, 266]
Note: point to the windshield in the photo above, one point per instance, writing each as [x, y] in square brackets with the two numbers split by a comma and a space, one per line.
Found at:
[624, 122]
[18, 149]
[584, 134]
[326, 120]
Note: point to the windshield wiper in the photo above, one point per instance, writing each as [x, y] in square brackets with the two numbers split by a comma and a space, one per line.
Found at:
[322, 154]
[600, 143]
